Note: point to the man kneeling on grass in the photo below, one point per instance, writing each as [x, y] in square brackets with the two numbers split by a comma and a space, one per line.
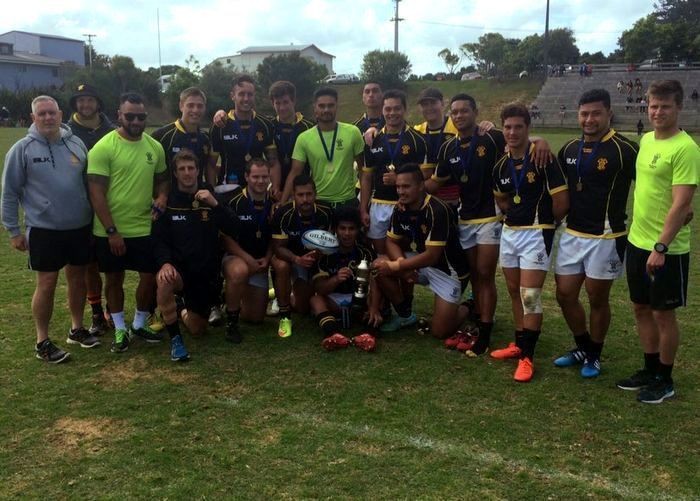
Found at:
[335, 280]
[421, 236]
[186, 248]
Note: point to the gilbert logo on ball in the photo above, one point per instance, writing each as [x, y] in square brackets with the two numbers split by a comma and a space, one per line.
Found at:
[320, 240]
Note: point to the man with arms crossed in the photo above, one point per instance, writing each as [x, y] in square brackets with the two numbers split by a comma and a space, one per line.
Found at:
[600, 168]
[668, 170]
[45, 174]
[533, 199]
[126, 169]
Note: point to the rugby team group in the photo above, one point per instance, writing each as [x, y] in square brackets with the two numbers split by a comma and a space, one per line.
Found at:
[209, 218]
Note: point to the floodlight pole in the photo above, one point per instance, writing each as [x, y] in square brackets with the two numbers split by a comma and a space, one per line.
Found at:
[396, 19]
[89, 36]
[160, 64]
[545, 46]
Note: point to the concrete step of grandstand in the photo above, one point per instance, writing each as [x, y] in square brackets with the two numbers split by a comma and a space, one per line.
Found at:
[568, 88]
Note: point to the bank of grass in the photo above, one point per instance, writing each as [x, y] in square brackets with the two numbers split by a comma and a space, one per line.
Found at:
[280, 418]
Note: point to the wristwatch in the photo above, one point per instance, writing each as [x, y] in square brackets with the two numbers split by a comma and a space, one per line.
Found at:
[111, 230]
[661, 248]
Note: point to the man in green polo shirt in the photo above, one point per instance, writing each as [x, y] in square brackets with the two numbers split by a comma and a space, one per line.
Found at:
[124, 167]
[330, 149]
[668, 170]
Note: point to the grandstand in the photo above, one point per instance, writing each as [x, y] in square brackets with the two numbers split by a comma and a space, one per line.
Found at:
[565, 90]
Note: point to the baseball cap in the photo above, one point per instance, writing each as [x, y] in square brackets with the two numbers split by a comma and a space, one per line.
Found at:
[430, 94]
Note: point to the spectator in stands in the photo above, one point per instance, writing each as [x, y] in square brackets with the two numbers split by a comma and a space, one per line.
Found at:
[694, 95]
[630, 87]
[582, 70]
[642, 105]
[535, 111]
[562, 114]
[589, 70]
[638, 86]
[628, 107]
[620, 86]
[640, 127]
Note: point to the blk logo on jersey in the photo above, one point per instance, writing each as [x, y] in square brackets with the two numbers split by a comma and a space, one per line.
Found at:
[40, 160]
[379, 149]
[179, 218]
[230, 137]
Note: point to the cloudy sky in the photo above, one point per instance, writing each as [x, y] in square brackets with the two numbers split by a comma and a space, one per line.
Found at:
[346, 29]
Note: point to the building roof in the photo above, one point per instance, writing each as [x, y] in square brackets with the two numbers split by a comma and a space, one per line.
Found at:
[281, 48]
[43, 35]
[27, 58]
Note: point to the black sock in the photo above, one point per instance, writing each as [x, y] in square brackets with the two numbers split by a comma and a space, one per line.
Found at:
[285, 311]
[594, 349]
[529, 341]
[97, 308]
[232, 316]
[173, 329]
[664, 372]
[519, 339]
[327, 322]
[583, 341]
[404, 308]
[484, 339]
[651, 362]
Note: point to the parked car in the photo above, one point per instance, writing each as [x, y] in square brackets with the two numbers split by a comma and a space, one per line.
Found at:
[648, 64]
[342, 78]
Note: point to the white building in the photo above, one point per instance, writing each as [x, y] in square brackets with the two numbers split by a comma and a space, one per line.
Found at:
[249, 58]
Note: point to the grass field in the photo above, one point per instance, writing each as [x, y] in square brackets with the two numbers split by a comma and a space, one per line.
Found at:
[274, 418]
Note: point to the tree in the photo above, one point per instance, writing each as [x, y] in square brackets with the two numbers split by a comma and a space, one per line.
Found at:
[450, 59]
[488, 53]
[216, 84]
[595, 58]
[641, 41]
[301, 71]
[562, 46]
[388, 68]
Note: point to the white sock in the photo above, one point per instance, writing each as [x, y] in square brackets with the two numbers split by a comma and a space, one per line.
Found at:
[118, 319]
[140, 318]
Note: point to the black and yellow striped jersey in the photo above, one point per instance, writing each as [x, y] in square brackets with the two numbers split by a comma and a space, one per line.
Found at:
[529, 189]
[289, 225]
[174, 137]
[237, 142]
[364, 122]
[329, 265]
[469, 163]
[408, 146]
[599, 186]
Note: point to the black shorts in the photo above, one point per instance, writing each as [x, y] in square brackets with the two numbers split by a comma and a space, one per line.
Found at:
[138, 257]
[200, 291]
[51, 250]
[668, 288]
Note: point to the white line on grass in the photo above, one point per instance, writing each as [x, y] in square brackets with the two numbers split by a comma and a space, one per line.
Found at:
[487, 458]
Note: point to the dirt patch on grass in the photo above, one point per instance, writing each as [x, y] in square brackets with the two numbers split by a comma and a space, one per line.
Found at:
[127, 371]
[86, 435]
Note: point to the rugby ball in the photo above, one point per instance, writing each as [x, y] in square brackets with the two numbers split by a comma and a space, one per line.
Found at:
[321, 240]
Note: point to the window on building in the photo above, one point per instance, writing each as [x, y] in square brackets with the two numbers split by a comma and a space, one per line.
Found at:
[22, 68]
[54, 72]
[228, 60]
[5, 49]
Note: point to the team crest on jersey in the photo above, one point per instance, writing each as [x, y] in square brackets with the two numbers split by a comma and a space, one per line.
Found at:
[205, 215]
[481, 151]
[602, 164]
[424, 229]
[260, 136]
[530, 177]
[656, 158]
[405, 149]
[339, 144]
[149, 157]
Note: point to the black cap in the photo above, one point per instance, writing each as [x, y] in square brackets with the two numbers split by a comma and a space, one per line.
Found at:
[430, 94]
[85, 90]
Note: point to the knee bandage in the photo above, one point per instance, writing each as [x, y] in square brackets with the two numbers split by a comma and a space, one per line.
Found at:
[531, 298]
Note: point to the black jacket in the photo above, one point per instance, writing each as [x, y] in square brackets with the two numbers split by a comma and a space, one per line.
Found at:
[186, 235]
[91, 136]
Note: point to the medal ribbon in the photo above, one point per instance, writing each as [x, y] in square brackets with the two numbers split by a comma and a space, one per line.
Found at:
[580, 168]
[260, 214]
[286, 140]
[435, 145]
[467, 162]
[250, 135]
[329, 156]
[518, 178]
[393, 152]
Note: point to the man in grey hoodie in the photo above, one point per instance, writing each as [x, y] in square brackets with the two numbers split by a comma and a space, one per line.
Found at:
[45, 174]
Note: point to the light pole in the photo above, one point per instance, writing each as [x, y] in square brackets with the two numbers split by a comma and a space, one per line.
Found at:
[396, 20]
[545, 46]
[89, 36]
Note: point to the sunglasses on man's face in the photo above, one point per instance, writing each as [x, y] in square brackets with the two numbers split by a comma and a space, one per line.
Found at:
[130, 117]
